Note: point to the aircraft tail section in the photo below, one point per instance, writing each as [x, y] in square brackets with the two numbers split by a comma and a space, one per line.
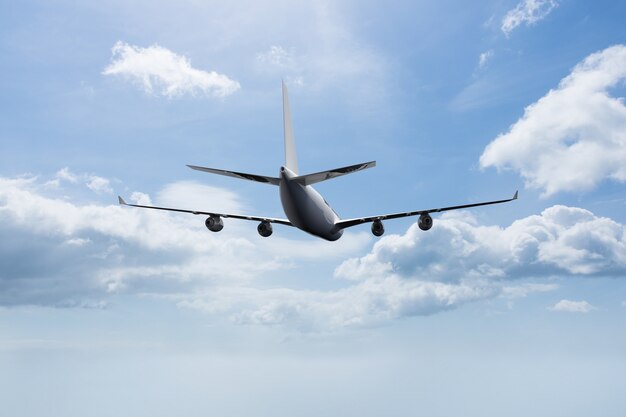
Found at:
[291, 160]
[240, 175]
[310, 179]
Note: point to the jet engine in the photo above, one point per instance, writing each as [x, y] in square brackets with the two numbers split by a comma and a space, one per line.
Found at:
[378, 228]
[425, 222]
[265, 229]
[214, 223]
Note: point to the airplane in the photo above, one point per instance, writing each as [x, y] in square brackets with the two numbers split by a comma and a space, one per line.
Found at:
[305, 208]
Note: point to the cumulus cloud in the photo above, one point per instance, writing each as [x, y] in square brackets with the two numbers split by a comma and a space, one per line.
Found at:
[63, 252]
[560, 241]
[572, 306]
[99, 185]
[66, 175]
[57, 252]
[95, 183]
[60, 253]
[158, 70]
[575, 136]
[458, 262]
[527, 12]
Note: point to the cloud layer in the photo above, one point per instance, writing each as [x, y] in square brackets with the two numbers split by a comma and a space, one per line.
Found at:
[58, 251]
[158, 70]
[527, 12]
[61, 253]
[575, 136]
[560, 241]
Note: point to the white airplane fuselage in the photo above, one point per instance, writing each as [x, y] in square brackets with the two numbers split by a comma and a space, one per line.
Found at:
[306, 208]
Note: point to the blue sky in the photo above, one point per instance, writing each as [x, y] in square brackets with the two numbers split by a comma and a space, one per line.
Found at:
[512, 310]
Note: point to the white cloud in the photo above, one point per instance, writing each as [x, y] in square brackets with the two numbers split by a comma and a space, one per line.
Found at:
[522, 291]
[458, 262]
[77, 242]
[560, 241]
[527, 12]
[171, 75]
[372, 302]
[484, 58]
[66, 175]
[65, 254]
[107, 248]
[284, 63]
[99, 184]
[572, 306]
[63, 251]
[277, 56]
[573, 137]
[325, 52]
[95, 183]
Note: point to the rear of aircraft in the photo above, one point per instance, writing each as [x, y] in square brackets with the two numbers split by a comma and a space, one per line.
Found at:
[291, 159]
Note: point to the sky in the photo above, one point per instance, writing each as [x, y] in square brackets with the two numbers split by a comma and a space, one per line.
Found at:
[516, 309]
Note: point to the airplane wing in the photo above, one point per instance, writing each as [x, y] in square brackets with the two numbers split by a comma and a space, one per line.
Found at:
[207, 213]
[309, 179]
[342, 224]
[240, 175]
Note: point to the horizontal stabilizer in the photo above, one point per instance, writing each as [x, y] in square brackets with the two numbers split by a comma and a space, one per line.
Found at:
[241, 175]
[333, 173]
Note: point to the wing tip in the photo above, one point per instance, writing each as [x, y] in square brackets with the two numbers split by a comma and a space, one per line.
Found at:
[121, 201]
[515, 195]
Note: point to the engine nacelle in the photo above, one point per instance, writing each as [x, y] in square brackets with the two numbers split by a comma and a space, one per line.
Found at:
[265, 229]
[378, 228]
[425, 222]
[214, 223]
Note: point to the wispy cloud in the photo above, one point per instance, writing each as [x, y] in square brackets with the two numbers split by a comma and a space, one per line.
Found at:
[372, 302]
[527, 12]
[572, 306]
[277, 56]
[330, 55]
[158, 70]
[95, 183]
[484, 58]
[575, 136]
[280, 61]
[523, 290]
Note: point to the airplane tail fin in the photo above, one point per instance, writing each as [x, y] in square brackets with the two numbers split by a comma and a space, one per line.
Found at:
[291, 160]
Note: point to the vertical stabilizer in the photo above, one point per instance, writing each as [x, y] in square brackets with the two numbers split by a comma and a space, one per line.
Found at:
[291, 160]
